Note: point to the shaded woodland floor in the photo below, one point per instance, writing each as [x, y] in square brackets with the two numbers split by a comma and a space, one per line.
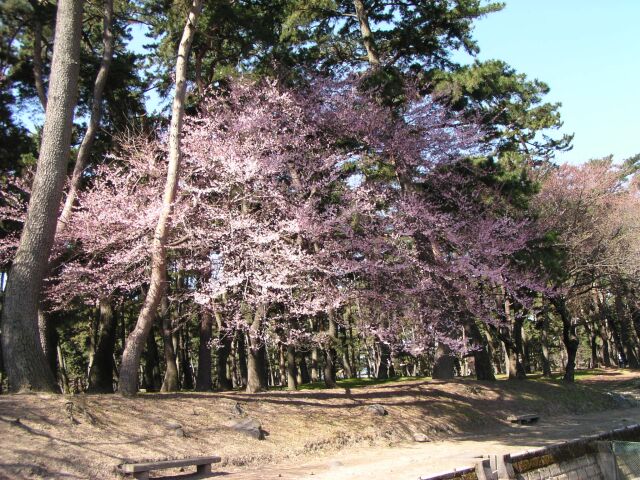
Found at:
[87, 436]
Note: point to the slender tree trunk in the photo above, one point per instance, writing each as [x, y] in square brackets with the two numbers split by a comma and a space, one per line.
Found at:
[493, 355]
[315, 376]
[544, 341]
[171, 381]
[264, 364]
[204, 381]
[346, 360]
[64, 378]
[593, 344]
[282, 364]
[330, 354]
[37, 56]
[569, 337]
[224, 350]
[626, 332]
[292, 381]
[242, 367]
[184, 353]
[354, 361]
[601, 327]
[101, 371]
[315, 354]
[135, 342]
[24, 360]
[96, 113]
[518, 347]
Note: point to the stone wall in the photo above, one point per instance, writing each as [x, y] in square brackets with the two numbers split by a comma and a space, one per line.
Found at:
[581, 468]
[588, 458]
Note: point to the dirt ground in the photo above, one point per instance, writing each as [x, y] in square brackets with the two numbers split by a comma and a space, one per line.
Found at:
[318, 434]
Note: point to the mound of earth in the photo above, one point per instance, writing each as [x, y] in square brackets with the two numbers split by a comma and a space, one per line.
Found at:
[87, 436]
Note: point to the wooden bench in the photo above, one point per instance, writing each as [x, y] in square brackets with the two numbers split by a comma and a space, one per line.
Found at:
[141, 470]
[528, 419]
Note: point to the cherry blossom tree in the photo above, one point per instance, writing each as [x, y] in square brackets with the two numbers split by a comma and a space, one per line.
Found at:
[297, 206]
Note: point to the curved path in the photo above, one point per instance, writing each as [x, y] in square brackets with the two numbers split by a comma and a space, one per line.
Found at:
[413, 460]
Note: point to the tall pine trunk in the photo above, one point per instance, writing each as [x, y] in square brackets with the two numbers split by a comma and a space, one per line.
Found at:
[135, 342]
[96, 113]
[24, 360]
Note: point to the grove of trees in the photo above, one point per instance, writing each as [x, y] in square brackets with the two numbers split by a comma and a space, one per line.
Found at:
[330, 195]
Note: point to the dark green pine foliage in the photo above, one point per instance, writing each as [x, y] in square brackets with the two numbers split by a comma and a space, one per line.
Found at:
[510, 107]
[408, 34]
[123, 99]
[232, 38]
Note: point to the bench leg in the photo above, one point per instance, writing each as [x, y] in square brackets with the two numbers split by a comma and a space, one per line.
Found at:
[204, 468]
[141, 475]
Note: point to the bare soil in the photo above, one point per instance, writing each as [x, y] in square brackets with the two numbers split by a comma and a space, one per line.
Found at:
[310, 434]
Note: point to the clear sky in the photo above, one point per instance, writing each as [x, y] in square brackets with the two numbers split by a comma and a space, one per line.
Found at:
[588, 52]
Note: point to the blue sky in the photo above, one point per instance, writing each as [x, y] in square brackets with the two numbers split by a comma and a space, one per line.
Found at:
[588, 52]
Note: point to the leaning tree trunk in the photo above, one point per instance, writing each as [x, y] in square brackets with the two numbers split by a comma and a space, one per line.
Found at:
[204, 381]
[151, 373]
[367, 35]
[96, 113]
[101, 371]
[38, 75]
[135, 343]
[24, 361]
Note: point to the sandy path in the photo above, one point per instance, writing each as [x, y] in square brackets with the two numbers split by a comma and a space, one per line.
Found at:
[411, 461]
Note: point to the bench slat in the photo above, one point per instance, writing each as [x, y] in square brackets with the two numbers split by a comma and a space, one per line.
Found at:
[185, 462]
